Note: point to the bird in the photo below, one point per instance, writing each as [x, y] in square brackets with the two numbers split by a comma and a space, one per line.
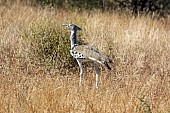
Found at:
[86, 53]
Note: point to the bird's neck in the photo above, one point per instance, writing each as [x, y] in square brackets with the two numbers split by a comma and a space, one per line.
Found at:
[73, 38]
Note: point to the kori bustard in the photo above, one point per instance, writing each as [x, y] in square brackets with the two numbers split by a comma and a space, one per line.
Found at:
[85, 53]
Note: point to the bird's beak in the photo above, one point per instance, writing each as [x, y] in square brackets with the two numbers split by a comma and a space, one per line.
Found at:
[65, 25]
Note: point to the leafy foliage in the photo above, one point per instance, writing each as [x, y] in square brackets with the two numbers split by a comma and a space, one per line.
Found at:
[50, 43]
[145, 105]
[159, 7]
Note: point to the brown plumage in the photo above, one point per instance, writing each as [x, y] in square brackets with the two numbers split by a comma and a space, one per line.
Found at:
[85, 53]
[88, 53]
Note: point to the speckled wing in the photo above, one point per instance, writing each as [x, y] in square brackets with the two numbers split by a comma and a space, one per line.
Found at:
[89, 53]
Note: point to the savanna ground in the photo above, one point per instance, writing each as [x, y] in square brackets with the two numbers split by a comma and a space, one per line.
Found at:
[139, 81]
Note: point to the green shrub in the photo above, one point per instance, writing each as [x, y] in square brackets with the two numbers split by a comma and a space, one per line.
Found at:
[145, 105]
[50, 43]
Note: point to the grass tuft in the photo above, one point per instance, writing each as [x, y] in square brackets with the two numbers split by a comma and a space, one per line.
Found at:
[32, 40]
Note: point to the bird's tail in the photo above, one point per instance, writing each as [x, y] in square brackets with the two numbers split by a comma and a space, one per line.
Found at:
[107, 65]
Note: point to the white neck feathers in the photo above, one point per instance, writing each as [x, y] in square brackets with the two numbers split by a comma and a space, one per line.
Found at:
[73, 38]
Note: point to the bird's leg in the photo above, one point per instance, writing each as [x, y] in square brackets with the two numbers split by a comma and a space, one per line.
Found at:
[97, 72]
[81, 70]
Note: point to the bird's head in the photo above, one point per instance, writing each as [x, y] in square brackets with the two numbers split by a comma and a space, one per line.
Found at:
[72, 27]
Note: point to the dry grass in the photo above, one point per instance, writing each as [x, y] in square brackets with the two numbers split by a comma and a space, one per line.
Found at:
[140, 81]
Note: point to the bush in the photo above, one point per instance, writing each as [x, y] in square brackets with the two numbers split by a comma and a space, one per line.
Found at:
[50, 43]
[53, 3]
[157, 8]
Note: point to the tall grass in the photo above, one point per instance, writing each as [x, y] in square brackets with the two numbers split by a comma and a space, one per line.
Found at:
[138, 83]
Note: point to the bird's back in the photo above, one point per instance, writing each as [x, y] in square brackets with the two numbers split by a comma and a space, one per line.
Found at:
[89, 53]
